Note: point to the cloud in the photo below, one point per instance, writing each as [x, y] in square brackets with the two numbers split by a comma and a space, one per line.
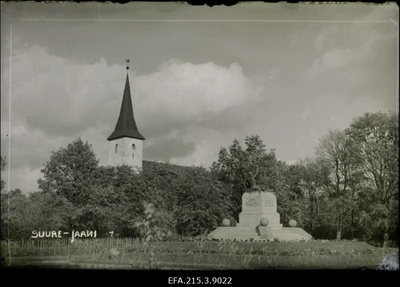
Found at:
[167, 148]
[335, 59]
[178, 108]
[185, 110]
[207, 146]
[25, 179]
[306, 111]
[354, 46]
[355, 64]
[58, 96]
[185, 90]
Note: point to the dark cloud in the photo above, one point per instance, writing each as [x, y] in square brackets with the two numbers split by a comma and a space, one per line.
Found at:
[165, 149]
[162, 126]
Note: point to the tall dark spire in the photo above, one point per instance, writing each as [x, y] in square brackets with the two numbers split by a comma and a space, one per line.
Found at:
[126, 125]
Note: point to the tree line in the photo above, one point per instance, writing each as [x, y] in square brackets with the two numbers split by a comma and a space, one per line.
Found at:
[347, 190]
[76, 193]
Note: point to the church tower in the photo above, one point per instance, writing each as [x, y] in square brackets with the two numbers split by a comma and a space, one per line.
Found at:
[126, 142]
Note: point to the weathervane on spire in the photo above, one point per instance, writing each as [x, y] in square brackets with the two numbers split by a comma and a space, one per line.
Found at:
[127, 63]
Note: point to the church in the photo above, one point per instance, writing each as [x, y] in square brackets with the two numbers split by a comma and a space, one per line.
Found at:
[126, 142]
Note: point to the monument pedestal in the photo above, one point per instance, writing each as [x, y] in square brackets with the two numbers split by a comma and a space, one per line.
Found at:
[255, 206]
[253, 219]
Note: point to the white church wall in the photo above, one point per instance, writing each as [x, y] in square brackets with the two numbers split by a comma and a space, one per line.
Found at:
[126, 151]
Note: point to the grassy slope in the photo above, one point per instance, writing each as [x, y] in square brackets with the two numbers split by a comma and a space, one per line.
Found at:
[313, 254]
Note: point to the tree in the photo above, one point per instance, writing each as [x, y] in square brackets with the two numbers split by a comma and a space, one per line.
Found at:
[70, 172]
[119, 198]
[15, 215]
[374, 137]
[202, 203]
[151, 225]
[2, 166]
[289, 195]
[49, 211]
[337, 154]
[313, 178]
[233, 167]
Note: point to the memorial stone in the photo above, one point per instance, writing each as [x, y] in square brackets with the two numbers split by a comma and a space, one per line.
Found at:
[259, 220]
[257, 205]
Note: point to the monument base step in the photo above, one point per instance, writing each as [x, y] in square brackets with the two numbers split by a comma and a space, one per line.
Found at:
[252, 219]
[273, 226]
[250, 234]
[291, 233]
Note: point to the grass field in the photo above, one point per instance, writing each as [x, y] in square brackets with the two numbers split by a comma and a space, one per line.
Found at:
[209, 255]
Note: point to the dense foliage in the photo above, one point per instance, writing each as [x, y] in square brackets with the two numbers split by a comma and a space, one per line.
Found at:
[76, 194]
[347, 190]
[2, 167]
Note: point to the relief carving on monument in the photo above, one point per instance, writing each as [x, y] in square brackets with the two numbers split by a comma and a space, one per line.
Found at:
[269, 202]
[251, 202]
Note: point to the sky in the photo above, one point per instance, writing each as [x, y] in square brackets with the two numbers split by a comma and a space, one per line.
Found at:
[200, 76]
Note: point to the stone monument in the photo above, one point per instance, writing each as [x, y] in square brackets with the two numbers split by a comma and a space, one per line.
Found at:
[257, 205]
[259, 220]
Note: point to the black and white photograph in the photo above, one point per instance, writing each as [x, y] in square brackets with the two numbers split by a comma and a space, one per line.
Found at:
[174, 136]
